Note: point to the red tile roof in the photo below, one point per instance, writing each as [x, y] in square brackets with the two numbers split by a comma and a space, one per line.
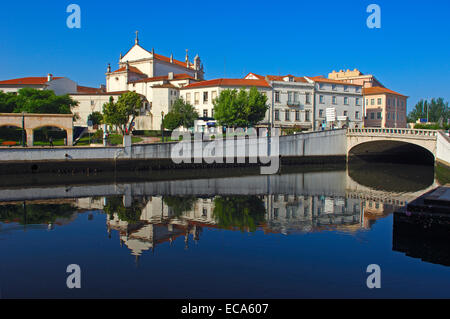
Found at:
[281, 78]
[166, 59]
[261, 77]
[85, 89]
[181, 76]
[324, 80]
[228, 82]
[380, 90]
[132, 69]
[29, 80]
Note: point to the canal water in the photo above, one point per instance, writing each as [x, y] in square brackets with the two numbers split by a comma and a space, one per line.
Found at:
[305, 233]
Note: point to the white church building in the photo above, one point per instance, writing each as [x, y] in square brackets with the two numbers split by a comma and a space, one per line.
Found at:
[156, 77]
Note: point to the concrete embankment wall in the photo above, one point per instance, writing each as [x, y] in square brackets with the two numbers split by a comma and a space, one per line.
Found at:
[443, 149]
[310, 147]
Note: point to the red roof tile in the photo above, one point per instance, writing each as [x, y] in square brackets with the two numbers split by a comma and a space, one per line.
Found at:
[182, 76]
[29, 80]
[229, 82]
[85, 89]
[379, 90]
[132, 69]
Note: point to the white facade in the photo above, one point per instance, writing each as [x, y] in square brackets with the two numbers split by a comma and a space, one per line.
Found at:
[156, 77]
[345, 98]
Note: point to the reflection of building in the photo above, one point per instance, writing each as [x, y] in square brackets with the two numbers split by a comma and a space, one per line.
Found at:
[291, 213]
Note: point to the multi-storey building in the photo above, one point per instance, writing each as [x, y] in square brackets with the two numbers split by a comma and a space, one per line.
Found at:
[336, 103]
[291, 101]
[59, 85]
[355, 77]
[202, 94]
[156, 77]
[384, 108]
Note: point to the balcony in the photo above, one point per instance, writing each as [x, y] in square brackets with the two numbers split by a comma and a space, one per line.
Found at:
[294, 104]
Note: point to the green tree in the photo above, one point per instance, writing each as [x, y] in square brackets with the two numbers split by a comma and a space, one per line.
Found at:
[172, 121]
[181, 114]
[240, 108]
[7, 102]
[96, 118]
[239, 212]
[122, 113]
[436, 109]
[36, 101]
[179, 204]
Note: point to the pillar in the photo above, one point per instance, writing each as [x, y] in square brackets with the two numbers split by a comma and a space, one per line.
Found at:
[30, 137]
[69, 137]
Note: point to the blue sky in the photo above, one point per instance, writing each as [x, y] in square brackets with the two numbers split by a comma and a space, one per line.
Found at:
[409, 54]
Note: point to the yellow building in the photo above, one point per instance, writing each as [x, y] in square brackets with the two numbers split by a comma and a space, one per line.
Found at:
[355, 77]
[384, 108]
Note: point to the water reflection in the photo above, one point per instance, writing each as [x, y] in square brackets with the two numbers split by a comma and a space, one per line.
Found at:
[145, 215]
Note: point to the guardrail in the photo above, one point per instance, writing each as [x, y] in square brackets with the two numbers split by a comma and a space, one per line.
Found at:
[392, 131]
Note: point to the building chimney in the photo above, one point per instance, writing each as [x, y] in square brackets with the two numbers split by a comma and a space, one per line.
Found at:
[108, 69]
[49, 77]
[171, 58]
[170, 76]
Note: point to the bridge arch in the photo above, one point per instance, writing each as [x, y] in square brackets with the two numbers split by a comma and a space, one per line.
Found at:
[398, 145]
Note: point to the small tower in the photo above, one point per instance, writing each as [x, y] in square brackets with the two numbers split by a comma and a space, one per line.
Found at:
[187, 58]
[197, 62]
[136, 41]
[108, 69]
[171, 58]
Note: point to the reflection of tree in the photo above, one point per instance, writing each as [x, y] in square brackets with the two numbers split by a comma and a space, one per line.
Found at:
[132, 214]
[35, 213]
[241, 212]
[179, 205]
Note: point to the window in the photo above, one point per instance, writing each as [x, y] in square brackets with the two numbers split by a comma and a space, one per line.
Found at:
[277, 115]
[345, 113]
[196, 98]
[357, 115]
[277, 96]
[334, 87]
[379, 101]
[308, 98]
[389, 115]
[389, 102]
[403, 103]
[320, 86]
[205, 97]
[357, 101]
[346, 100]
[358, 89]
[345, 88]
[320, 113]
[286, 115]
[212, 113]
[205, 113]
[367, 101]
[289, 97]
[295, 97]
[334, 100]
[321, 99]
[297, 115]
[92, 103]
[307, 118]
[188, 97]
[372, 116]
[378, 115]
[372, 102]
[213, 95]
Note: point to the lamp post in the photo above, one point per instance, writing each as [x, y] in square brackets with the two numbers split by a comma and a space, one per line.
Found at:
[162, 126]
[23, 129]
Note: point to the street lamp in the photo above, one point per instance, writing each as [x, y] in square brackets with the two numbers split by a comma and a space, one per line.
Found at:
[23, 129]
[162, 126]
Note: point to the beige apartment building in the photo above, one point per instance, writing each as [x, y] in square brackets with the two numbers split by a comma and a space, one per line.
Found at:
[384, 108]
[355, 77]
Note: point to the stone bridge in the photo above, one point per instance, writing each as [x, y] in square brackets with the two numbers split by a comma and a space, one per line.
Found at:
[30, 122]
[389, 141]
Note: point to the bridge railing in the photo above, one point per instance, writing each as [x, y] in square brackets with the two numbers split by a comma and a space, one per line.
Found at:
[392, 131]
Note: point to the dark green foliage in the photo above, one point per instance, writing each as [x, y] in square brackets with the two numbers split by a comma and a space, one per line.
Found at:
[179, 205]
[35, 213]
[239, 212]
[36, 101]
[96, 118]
[437, 110]
[181, 114]
[240, 108]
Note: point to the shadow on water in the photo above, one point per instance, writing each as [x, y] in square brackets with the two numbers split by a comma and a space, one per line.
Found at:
[392, 177]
